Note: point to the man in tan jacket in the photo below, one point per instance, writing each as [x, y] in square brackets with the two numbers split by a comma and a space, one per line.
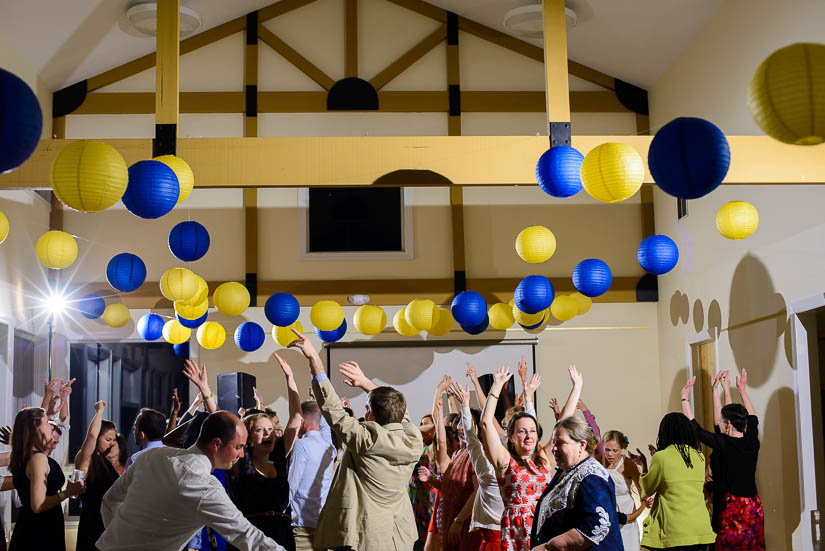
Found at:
[367, 508]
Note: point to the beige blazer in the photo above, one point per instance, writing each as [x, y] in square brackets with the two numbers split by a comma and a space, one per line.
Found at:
[368, 507]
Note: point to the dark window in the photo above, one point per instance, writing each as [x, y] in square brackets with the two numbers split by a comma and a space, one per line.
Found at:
[355, 219]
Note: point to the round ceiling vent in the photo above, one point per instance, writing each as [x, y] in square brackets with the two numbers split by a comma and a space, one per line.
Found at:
[528, 21]
[144, 18]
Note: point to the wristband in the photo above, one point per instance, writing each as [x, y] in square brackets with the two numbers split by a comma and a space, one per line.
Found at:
[494, 396]
[685, 400]
[205, 398]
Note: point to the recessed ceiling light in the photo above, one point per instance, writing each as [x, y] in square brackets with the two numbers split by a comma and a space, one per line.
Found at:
[358, 300]
[528, 21]
[144, 18]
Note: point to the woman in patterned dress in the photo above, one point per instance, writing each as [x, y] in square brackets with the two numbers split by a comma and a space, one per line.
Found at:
[522, 467]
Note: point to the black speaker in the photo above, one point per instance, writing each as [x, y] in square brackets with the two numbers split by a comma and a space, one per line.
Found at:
[235, 391]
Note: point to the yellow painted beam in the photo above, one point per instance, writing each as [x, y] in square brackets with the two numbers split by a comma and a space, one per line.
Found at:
[351, 24]
[557, 87]
[464, 160]
[168, 58]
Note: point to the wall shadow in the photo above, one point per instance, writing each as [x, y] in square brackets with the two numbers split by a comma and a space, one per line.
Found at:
[679, 308]
[698, 316]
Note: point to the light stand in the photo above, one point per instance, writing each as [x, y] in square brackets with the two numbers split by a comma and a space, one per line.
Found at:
[55, 304]
[51, 337]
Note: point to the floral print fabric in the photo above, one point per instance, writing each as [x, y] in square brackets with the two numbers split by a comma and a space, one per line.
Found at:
[741, 525]
[521, 487]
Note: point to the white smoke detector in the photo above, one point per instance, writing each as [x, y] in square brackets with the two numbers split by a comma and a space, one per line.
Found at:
[358, 300]
[528, 21]
[144, 18]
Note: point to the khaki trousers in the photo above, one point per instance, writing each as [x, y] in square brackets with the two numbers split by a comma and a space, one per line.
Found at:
[303, 538]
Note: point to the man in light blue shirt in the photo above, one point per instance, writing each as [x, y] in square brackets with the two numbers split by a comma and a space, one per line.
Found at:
[149, 428]
[310, 474]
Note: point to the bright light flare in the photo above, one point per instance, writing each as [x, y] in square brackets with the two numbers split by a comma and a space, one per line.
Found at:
[55, 304]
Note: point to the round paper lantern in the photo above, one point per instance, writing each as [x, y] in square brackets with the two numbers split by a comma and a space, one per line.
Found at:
[175, 333]
[231, 298]
[181, 350]
[188, 241]
[152, 191]
[564, 308]
[178, 284]
[201, 295]
[116, 315]
[538, 325]
[444, 324]
[211, 335]
[421, 314]
[477, 329]
[399, 322]
[91, 306]
[191, 312]
[657, 254]
[56, 249]
[335, 334]
[583, 303]
[469, 308]
[528, 319]
[737, 220]
[249, 336]
[282, 309]
[284, 335]
[125, 272]
[592, 277]
[21, 121]
[786, 96]
[89, 176]
[533, 294]
[150, 327]
[186, 180]
[612, 172]
[558, 171]
[500, 316]
[192, 324]
[369, 319]
[689, 157]
[4, 227]
[535, 244]
[326, 315]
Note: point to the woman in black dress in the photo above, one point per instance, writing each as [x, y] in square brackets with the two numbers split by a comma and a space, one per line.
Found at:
[38, 480]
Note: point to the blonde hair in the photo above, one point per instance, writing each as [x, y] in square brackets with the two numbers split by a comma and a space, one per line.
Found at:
[250, 420]
[578, 430]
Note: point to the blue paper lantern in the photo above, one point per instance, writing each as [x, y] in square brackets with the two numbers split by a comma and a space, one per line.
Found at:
[335, 334]
[536, 326]
[150, 327]
[192, 324]
[533, 294]
[189, 241]
[282, 309]
[153, 189]
[469, 308]
[181, 350]
[91, 306]
[689, 157]
[558, 171]
[126, 272]
[478, 328]
[592, 277]
[21, 121]
[249, 336]
[657, 254]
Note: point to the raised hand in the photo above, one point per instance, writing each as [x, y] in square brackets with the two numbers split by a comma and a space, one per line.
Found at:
[303, 344]
[196, 374]
[423, 474]
[688, 387]
[554, 405]
[284, 366]
[742, 381]
[725, 376]
[446, 381]
[471, 372]
[519, 401]
[651, 448]
[575, 376]
[639, 459]
[259, 402]
[460, 394]
[100, 406]
[66, 389]
[5, 435]
[502, 375]
[50, 387]
[522, 370]
[344, 402]
[533, 384]
[353, 376]
[175, 401]
[715, 380]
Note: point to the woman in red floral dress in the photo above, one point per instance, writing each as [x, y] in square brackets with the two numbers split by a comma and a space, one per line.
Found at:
[522, 467]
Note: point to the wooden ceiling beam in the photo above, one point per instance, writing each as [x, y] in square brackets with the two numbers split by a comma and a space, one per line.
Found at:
[292, 55]
[409, 58]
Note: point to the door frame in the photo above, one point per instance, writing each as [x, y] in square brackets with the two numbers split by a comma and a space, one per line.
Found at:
[702, 337]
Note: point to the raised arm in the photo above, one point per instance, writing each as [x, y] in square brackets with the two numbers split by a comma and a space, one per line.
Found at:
[294, 423]
[471, 373]
[575, 392]
[84, 455]
[442, 456]
[686, 409]
[65, 391]
[51, 397]
[530, 388]
[199, 377]
[173, 413]
[439, 390]
[717, 401]
[594, 426]
[496, 452]
[742, 387]
[726, 388]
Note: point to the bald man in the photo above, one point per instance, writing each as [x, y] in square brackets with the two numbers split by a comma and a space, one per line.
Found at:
[168, 494]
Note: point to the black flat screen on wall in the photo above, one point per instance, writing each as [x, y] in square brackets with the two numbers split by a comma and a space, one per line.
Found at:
[355, 220]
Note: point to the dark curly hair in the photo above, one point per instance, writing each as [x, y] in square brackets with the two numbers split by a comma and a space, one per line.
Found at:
[677, 430]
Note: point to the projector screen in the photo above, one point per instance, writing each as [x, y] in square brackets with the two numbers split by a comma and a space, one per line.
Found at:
[416, 369]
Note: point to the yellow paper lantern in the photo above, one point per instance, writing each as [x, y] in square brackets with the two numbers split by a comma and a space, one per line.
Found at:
[231, 298]
[116, 315]
[370, 320]
[186, 179]
[421, 314]
[178, 284]
[326, 315]
[4, 227]
[737, 220]
[210, 335]
[89, 176]
[200, 295]
[786, 95]
[191, 312]
[175, 333]
[612, 172]
[284, 335]
[535, 244]
[564, 308]
[399, 322]
[56, 249]
[444, 324]
[501, 316]
[527, 319]
[583, 303]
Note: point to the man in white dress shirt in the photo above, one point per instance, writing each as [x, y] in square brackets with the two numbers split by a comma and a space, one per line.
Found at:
[169, 494]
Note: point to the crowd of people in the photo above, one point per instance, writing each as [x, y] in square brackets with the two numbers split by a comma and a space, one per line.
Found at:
[461, 479]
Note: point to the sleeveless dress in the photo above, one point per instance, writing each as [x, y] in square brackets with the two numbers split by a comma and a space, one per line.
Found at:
[101, 476]
[626, 505]
[521, 488]
[39, 530]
